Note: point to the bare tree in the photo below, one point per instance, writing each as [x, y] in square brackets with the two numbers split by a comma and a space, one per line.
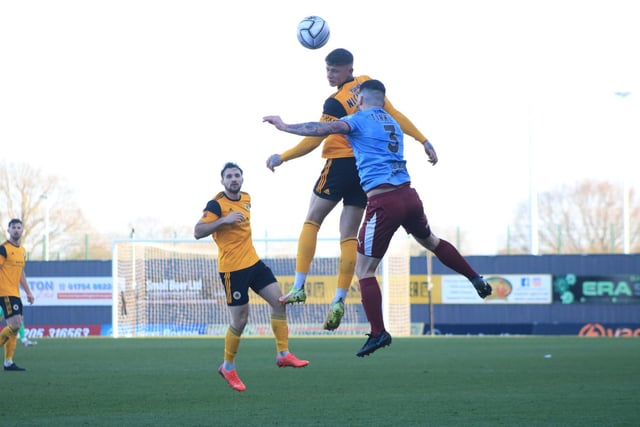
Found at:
[46, 208]
[585, 218]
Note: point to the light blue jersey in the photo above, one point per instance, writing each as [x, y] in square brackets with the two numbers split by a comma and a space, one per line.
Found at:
[377, 143]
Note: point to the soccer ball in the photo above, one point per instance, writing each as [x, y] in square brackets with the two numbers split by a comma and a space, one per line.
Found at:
[313, 32]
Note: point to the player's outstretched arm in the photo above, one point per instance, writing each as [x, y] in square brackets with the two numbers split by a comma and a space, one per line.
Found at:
[309, 128]
[304, 147]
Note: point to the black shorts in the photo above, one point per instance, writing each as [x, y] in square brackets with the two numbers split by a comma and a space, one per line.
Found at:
[237, 283]
[339, 180]
[11, 306]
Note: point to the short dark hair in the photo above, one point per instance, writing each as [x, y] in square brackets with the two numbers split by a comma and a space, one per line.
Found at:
[15, 221]
[339, 57]
[230, 165]
[373, 85]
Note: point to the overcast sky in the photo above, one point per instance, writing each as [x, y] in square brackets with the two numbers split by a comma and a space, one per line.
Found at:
[137, 104]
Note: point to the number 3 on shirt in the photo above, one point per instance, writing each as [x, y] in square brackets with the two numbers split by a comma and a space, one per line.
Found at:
[393, 138]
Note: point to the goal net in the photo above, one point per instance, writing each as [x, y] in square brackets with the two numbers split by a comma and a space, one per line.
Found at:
[172, 288]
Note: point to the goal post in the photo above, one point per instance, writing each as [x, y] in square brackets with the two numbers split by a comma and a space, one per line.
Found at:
[395, 277]
[172, 288]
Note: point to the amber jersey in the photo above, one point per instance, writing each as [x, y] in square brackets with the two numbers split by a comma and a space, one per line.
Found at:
[235, 244]
[13, 259]
[343, 103]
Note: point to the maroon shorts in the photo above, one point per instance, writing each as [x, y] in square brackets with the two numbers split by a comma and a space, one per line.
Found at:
[386, 212]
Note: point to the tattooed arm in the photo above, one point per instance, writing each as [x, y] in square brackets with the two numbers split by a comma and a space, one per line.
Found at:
[309, 128]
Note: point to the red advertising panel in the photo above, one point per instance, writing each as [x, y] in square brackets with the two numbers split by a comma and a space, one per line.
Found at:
[65, 331]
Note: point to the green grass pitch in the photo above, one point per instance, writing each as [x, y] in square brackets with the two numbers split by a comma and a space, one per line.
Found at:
[422, 381]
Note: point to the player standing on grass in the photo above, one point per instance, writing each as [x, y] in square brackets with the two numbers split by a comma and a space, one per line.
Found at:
[227, 218]
[13, 258]
[377, 142]
[338, 181]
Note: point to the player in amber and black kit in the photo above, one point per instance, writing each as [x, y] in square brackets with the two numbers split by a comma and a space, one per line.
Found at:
[338, 181]
[227, 218]
[13, 258]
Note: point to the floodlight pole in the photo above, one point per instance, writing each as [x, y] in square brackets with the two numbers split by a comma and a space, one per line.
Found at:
[625, 198]
[533, 193]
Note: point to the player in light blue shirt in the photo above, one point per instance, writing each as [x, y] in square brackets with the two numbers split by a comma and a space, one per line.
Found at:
[377, 143]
